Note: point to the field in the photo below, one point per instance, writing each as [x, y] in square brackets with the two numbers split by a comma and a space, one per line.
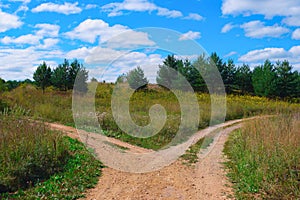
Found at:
[27, 102]
[265, 158]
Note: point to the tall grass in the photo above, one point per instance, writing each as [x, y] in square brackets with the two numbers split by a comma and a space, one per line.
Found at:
[57, 106]
[29, 153]
[264, 158]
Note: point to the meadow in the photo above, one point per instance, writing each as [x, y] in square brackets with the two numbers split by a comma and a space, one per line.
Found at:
[27, 102]
[56, 106]
[264, 158]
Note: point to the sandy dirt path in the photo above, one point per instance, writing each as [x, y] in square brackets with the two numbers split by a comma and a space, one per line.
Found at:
[206, 180]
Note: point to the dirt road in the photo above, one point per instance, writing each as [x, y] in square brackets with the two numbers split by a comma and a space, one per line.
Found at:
[206, 180]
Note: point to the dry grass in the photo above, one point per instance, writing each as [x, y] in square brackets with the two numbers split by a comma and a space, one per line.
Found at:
[265, 158]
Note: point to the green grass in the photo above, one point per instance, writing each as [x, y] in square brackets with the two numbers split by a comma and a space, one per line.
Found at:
[190, 157]
[264, 159]
[57, 106]
[40, 164]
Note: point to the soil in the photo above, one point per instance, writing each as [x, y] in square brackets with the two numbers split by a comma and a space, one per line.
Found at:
[205, 180]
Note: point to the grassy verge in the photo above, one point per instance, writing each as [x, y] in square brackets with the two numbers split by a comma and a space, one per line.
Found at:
[40, 164]
[264, 159]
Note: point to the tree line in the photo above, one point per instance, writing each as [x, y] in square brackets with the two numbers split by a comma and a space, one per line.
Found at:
[268, 80]
[62, 77]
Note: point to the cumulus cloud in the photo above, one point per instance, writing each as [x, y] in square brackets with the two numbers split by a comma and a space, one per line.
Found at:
[66, 8]
[288, 9]
[257, 29]
[24, 62]
[9, 21]
[117, 8]
[24, 39]
[191, 35]
[273, 54]
[50, 30]
[90, 30]
[296, 34]
[268, 8]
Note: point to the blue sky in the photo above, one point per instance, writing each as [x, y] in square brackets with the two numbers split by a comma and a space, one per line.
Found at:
[99, 32]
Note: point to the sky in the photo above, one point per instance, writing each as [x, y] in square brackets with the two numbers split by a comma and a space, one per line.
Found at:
[112, 37]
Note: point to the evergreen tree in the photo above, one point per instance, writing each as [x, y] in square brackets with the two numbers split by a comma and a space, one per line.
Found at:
[263, 80]
[60, 76]
[42, 76]
[136, 79]
[243, 79]
[285, 80]
[167, 73]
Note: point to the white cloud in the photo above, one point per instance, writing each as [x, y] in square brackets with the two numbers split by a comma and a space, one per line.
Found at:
[289, 9]
[273, 54]
[292, 20]
[296, 34]
[50, 30]
[22, 8]
[9, 21]
[95, 55]
[190, 36]
[257, 29]
[24, 39]
[194, 16]
[227, 27]
[90, 30]
[91, 6]
[130, 39]
[263, 54]
[66, 8]
[19, 64]
[117, 9]
[230, 54]
[48, 43]
[168, 13]
[268, 8]
[112, 63]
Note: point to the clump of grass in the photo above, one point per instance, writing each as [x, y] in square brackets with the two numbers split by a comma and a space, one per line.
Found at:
[190, 157]
[264, 159]
[36, 163]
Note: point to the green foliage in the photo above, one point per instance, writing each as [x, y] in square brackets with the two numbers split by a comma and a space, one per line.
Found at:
[286, 80]
[243, 79]
[136, 79]
[60, 76]
[264, 159]
[63, 77]
[3, 86]
[191, 155]
[122, 78]
[42, 76]
[167, 73]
